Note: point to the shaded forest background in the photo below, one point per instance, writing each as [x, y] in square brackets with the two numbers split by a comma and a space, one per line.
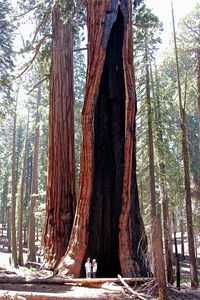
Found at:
[162, 101]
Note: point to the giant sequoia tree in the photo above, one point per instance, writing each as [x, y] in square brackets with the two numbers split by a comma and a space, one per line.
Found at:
[61, 162]
[108, 224]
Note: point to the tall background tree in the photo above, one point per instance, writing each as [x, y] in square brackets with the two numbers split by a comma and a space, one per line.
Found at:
[61, 191]
[6, 54]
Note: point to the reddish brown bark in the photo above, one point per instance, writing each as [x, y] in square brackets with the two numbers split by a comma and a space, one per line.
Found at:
[21, 199]
[108, 225]
[14, 190]
[158, 257]
[61, 160]
[34, 184]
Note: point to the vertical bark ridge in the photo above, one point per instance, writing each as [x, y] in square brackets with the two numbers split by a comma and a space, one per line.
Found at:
[104, 227]
[61, 159]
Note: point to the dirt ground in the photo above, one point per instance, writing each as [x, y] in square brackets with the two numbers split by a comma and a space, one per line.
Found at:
[73, 291]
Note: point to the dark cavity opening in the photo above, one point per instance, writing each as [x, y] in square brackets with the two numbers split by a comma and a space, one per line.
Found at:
[109, 128]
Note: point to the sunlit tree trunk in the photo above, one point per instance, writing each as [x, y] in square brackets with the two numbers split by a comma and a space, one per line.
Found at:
[61, 193]
[34, 184]
[186, 164]
[156, 234]
[14, 190]
[198, 88]
[108, 224]
[182, 234]
[166, 228]
[21, 199]
[9, 225]
[177, 259]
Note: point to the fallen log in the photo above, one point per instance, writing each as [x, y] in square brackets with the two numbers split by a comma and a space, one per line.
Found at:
[33, 264]
[138, 295]
[60, 280]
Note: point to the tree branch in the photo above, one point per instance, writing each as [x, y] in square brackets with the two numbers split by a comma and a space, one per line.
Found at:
[28, 11]
[190, 28]
[43, 22]
[38, 83]
[37, 48]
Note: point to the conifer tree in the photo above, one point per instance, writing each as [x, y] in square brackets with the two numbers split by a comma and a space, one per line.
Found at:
[6, 54]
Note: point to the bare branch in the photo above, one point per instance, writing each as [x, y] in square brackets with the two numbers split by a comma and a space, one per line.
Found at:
[28, 11]
[42, 23]
[37, 48]
[38, 83]
[80, 49]
[190, 28]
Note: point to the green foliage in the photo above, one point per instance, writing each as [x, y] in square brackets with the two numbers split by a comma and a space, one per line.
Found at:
[73, 10]
[147, 31]
[6, 54]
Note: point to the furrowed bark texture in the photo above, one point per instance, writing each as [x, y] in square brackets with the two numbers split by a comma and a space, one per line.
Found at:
[34, 184]
[108, 225]
[14, 190]
[21, 199]
[61, 160]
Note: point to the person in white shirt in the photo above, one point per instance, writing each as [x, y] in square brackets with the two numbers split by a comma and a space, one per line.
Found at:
[94, 268]
[88, 268]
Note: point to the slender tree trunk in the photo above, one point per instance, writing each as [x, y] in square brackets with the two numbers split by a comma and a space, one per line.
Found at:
[4, 194]
[21, 199]
[34, 184]
[186, 163]
[178, 275]
[182, 234]
[61, 190]
[108, 224]
[25, 236]
[14, 190]
[198, 88]
[168, 253]
[157, 246]
[9, 225]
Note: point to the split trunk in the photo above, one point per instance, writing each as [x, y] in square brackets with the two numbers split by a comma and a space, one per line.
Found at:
[108, 225]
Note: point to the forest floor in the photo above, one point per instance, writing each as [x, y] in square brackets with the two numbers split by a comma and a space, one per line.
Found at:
[112, 291]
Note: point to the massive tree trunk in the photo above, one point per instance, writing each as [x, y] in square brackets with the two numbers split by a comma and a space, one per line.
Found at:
[61, 192]
[34, 184]
[108, 224]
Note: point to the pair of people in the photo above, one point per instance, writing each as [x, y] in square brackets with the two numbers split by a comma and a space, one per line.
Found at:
[91, 268]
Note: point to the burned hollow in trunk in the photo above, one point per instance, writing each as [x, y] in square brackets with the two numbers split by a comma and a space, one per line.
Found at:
[109, 128]
[108, 225]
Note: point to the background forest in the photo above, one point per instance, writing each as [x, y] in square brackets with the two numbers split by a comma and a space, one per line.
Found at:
[167, 128]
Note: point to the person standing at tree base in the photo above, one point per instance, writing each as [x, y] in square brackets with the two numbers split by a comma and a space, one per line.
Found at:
[88, 268]
[94, 268]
